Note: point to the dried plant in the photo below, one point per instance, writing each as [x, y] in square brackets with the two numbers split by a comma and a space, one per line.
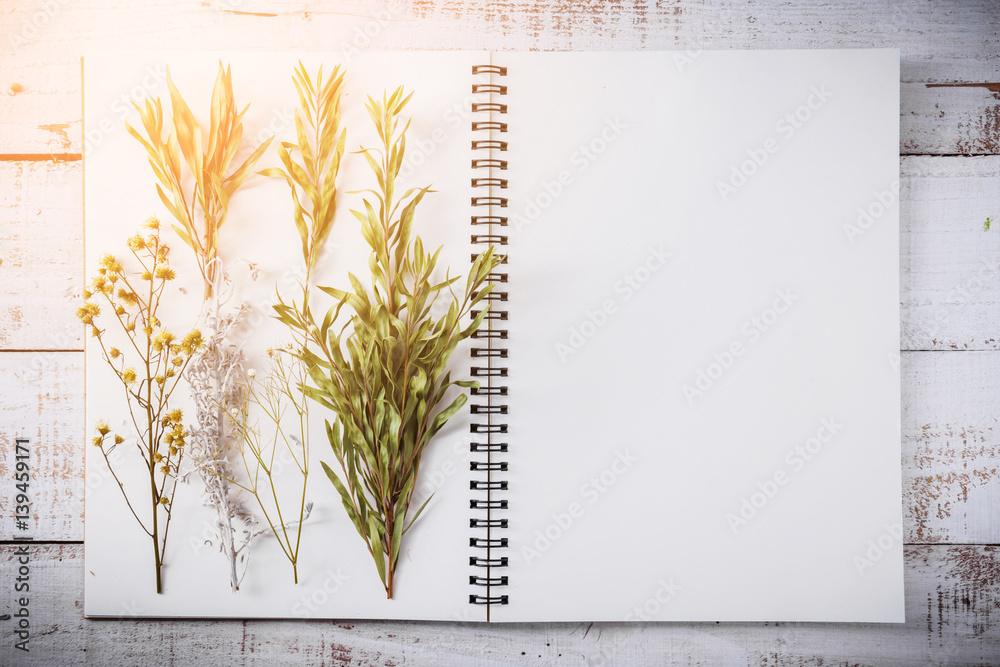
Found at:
[272, 395]
[218, 380]
[148, 368]
[216, 376]
[320, 145]
[386, 379]
[200, 210]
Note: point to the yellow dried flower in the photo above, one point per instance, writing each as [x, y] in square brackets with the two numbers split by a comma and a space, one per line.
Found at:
[87, 312]
[128, 375]
[165, 273]
[114, 353]
[119, 440]
[152, 222]
[103, 428]
[164, 501]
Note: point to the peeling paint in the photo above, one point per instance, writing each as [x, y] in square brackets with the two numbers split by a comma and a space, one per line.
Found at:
[58, 129]
[956, 461]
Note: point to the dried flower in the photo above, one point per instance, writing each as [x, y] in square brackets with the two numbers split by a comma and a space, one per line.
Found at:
[148, 397]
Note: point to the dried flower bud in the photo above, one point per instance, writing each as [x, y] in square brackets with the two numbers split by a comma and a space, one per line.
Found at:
[119, 440]
[165, 273]
[164, 501]
[114, 353]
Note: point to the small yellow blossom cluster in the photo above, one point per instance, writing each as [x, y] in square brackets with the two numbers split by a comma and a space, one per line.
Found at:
[174, 438]
[131, 298]
[103, 431]
[122, 293]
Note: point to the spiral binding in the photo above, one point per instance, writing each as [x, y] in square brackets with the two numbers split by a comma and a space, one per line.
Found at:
[488, 222]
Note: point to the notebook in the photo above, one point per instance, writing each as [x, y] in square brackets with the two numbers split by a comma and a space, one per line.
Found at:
[689, 404]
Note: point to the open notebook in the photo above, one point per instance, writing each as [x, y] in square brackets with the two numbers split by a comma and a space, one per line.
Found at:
[690, 390]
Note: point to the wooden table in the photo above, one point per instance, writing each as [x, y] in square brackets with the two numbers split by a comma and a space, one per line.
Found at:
[950, 308]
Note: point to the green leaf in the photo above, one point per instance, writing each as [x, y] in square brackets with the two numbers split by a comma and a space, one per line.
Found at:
[344, 497]
[375, 540]
[417, 514]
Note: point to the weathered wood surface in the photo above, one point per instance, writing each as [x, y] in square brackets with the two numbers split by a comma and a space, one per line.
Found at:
[950, 288]
[950, 266]
[950, 95]
[41, 255]
[952, 600]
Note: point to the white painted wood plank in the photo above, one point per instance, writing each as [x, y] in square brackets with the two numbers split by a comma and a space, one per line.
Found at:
[952, 597]
[949, 265]
[41, 399]
[951, 443]
[41, 254]
[45, 40]
[951, 447]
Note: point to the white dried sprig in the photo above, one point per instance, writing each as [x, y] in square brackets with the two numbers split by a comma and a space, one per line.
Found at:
[217, 378]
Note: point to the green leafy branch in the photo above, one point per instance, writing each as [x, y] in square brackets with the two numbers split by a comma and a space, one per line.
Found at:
[320, 145]
[386, 378]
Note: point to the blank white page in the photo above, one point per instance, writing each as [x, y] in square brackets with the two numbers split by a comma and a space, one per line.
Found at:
[704, 386]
